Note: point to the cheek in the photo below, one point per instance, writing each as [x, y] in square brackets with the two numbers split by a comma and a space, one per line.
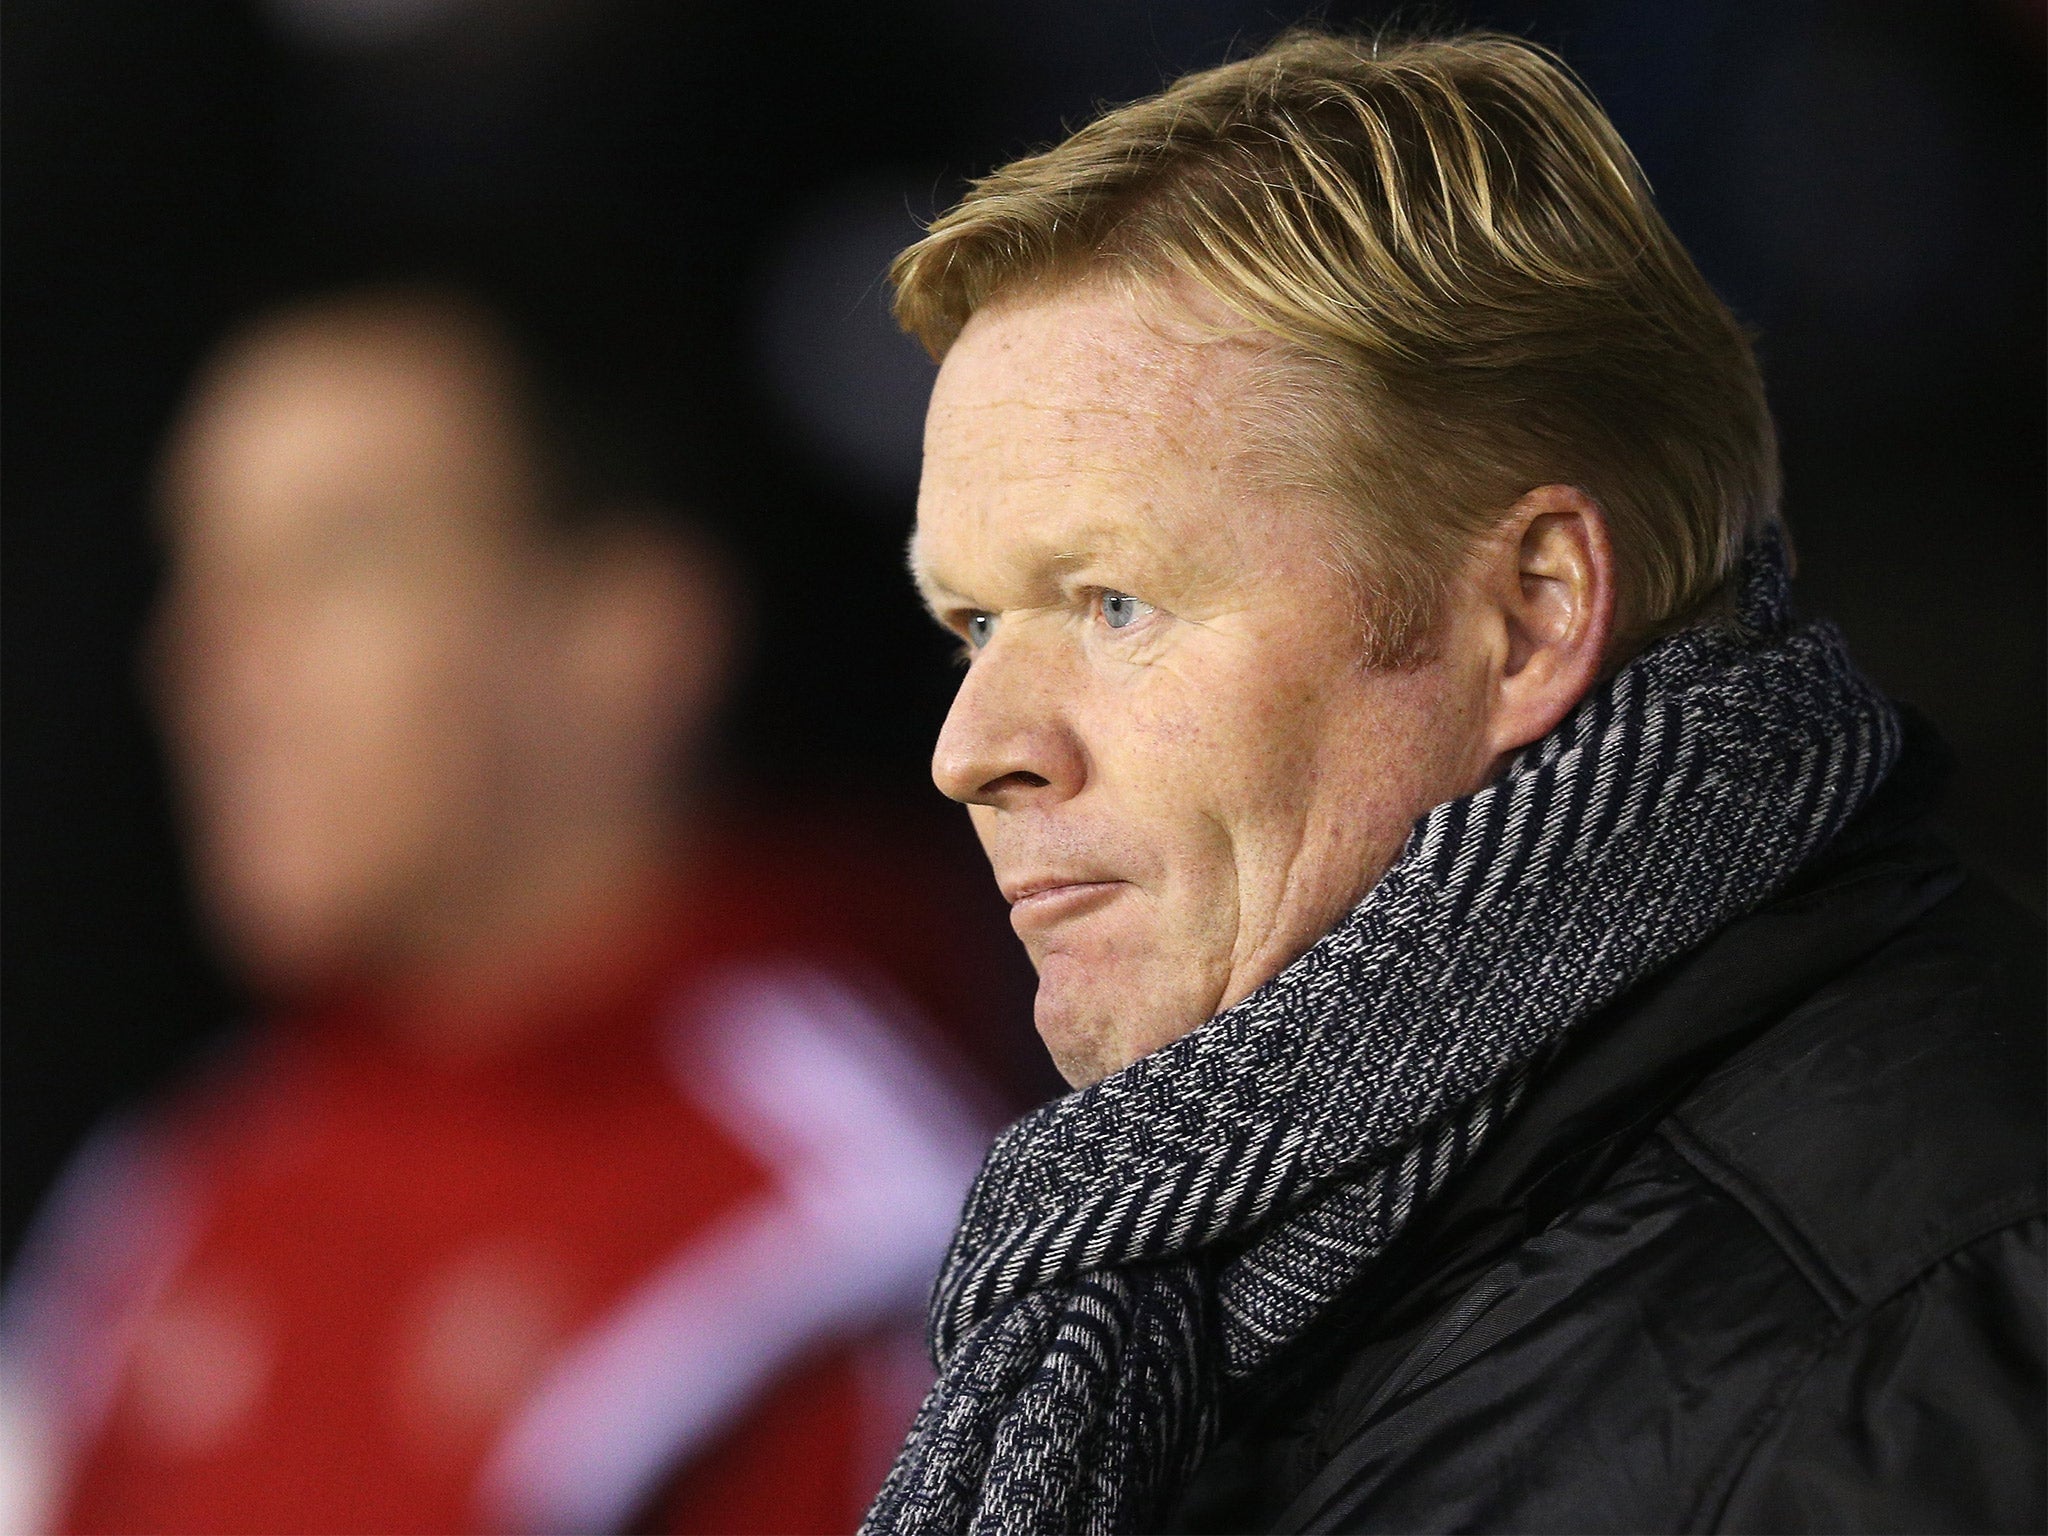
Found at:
[355, 749]
[387, 694]
[1213, 745]
[1280, 791]
[1399, 745]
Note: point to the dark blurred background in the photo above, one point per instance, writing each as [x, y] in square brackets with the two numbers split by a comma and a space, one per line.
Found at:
[714, 188]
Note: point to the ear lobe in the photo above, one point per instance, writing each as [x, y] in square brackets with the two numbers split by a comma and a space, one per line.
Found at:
[1555, 590]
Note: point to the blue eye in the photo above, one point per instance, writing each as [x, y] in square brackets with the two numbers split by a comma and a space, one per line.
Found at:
[981, 627]
[1120, 609]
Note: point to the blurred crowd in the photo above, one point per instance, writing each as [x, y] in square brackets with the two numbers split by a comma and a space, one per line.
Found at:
[512, 1018]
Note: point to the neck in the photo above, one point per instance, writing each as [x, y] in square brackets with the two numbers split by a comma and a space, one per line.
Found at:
[494, 972]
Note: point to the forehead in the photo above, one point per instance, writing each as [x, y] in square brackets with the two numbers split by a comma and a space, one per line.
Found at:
[1085, 416]
[330, 423]
[1047, 377]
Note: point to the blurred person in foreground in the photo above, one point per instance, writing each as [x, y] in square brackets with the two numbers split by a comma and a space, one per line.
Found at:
[591, 1158]
[1536, 1069]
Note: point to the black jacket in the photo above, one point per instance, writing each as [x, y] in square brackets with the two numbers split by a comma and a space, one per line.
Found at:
[1761, 1251]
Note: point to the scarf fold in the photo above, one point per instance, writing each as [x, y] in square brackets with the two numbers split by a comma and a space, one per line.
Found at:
[1130, 1250]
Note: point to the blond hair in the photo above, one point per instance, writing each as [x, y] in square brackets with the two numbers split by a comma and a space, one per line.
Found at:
[1465, 286]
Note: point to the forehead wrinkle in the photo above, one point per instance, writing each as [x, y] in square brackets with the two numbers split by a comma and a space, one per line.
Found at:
[1023, 402]
[1077, 377]
[1053, 439]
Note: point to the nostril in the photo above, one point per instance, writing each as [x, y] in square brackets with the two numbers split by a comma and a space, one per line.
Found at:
[1021, 779]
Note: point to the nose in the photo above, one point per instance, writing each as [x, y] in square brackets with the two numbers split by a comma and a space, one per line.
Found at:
[1006, 741]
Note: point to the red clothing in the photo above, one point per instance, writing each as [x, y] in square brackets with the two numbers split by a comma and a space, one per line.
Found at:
[662, 1262]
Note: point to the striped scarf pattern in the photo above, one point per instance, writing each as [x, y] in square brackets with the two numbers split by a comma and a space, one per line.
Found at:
[1131, 1250]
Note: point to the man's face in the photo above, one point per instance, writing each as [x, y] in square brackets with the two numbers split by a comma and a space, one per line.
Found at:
[1181, 770]
[342, 640]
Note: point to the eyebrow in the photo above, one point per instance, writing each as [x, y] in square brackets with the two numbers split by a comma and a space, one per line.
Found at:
[931, 588]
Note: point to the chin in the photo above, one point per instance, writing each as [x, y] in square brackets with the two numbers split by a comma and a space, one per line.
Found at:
[278, 963]
[1085, 1020]
[1077, 1070]
[1078, 1030]
[280, 937]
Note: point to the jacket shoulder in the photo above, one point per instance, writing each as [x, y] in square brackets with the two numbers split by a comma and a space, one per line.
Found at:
[1897, 1114]
[1595, 1380]
[1923, 1413]
[1653, 1362]
[1746, 1324]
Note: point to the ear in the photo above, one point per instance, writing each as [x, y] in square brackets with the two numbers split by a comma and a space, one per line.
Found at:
[1548, 574]
[656, 646]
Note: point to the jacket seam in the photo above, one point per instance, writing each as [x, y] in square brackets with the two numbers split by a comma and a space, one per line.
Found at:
[1719, 1485]
[1814, 1266]
[1834, 1295]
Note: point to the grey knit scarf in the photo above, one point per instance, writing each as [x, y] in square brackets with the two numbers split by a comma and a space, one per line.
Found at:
[1133, 1249]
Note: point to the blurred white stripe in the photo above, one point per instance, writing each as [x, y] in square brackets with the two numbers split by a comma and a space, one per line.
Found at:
[871, 1152]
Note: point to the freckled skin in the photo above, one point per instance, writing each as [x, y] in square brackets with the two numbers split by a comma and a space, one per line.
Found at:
[1218, 780]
